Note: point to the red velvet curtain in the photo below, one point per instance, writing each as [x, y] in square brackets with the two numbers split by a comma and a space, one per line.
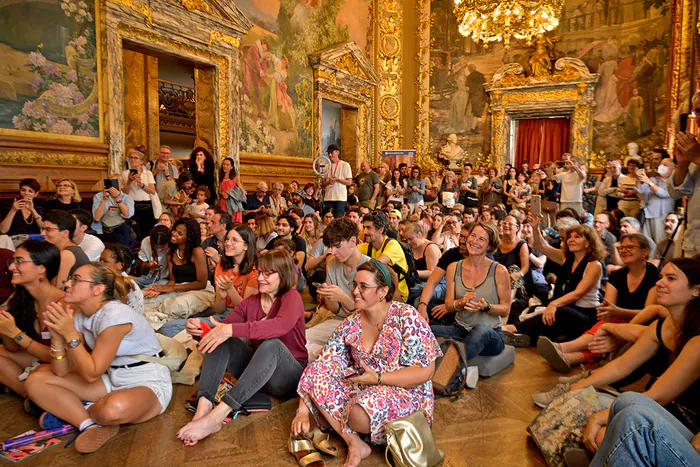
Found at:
[541, 140]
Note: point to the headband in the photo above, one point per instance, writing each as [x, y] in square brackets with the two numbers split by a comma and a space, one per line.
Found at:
[383, 269]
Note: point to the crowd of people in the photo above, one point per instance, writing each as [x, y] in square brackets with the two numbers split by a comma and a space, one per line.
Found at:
[546, 256]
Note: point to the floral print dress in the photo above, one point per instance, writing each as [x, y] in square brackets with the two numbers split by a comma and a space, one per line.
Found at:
[404, 341]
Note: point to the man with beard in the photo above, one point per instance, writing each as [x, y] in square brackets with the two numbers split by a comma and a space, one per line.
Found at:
[667, 246]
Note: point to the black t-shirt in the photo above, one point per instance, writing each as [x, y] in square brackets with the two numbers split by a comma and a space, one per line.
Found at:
[298, 241]
[634, 300]
[450, 256]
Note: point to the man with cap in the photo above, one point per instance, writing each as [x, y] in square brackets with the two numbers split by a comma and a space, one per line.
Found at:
[298, 201]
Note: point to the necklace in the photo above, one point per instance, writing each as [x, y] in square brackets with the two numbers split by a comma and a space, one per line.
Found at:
[177, 252]
[28, 220]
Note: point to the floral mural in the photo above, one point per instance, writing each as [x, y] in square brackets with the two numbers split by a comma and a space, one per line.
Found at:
[277, 80]
[50, 88]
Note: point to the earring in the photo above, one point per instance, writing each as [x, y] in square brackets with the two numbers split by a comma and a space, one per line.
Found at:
[41, 279]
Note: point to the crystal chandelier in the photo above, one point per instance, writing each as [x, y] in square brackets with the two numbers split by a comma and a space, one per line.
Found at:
[501, 20]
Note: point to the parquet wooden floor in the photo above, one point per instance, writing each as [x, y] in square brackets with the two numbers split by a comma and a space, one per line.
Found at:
[486, 427]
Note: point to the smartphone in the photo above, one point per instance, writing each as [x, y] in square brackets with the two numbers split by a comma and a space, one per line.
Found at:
[536, 205]
[109, 183]
[133, 171]
[684, 122]
[318, 285]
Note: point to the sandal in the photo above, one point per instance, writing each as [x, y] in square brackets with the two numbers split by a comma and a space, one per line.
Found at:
[304, 452]
[321, 441]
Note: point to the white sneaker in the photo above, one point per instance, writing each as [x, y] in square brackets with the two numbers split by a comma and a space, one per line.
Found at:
[531, 313]
[472, 376]
[534, 301]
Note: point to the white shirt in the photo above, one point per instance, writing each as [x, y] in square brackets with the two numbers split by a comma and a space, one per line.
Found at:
[336, 191]
[146, 255]
[135, 300]
[571, 187]
[135, 191]
[689, 187]
[92, 246]
[141, 339]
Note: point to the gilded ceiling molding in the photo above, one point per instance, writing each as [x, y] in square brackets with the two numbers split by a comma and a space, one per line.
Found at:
[349, 63]
[138, 7]
[390, 21]
[421, 133]
[196, 5]
[225, 38]
[224, 82]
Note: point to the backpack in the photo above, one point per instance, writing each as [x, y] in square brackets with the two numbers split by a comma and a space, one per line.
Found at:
[411, 276]
[450, 377]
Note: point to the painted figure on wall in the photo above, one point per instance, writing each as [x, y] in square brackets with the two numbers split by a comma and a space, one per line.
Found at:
[48, 81]
[477, 96]
[627, 45]
[276, 103]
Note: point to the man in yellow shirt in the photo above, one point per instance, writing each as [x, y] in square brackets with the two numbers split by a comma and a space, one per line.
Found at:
[387, 250]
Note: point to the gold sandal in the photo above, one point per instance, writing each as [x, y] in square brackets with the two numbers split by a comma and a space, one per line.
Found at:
[304, 452]
[321, 441]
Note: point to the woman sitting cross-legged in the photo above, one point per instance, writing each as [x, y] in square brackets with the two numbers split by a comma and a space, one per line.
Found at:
[123, 388]
[25, 338]
[375, 368]
[478, 290]
[262, 342]
[572, 310]
[188, 291]
[671, 349]
[628, 291]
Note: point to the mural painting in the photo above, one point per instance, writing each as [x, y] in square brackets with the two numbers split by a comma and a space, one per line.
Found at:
[330, 124]
[48, 78]
[626, 42]
[276, 83]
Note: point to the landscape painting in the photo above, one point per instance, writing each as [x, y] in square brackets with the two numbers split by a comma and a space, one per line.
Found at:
[330, 124]
[627, 43]
[49, 77]
[276, 82]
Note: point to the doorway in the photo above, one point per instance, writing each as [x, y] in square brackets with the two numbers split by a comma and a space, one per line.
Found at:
[339, 126]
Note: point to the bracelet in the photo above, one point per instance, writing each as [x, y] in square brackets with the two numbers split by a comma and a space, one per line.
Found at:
[31, 341]
[379, 379]
[422, 303]
[19, 336]
[58, 357]
[55, 354]
[57, 349]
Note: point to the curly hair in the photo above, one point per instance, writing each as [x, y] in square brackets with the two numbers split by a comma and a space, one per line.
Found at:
[21, 302]
[194, 237]
[208, 160]
[596, 248]
[378, 219]
[122, 255]
[338, 230]
[248, 261]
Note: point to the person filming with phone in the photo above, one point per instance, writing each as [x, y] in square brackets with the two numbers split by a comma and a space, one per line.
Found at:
[571, 180]
[23, 217]
[110, 210]
[685, 180]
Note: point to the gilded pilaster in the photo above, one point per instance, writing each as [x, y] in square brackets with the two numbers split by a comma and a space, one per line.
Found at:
[389, 60]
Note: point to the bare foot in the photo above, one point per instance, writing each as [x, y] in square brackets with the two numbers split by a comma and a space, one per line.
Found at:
[357, 450]
[204, 406]
[199, 429]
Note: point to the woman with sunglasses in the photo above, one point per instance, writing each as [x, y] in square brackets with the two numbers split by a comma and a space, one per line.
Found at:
[121, 387]
[262, 342]
[355, 391]
[25, 338]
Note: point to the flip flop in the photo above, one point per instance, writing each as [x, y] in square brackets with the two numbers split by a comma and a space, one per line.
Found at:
[321, 441]
[304, 452]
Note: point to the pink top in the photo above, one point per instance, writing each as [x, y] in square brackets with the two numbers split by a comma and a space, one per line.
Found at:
[285, 322]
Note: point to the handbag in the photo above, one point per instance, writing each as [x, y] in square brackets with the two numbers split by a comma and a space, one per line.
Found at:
[549, 206]
[410, 442]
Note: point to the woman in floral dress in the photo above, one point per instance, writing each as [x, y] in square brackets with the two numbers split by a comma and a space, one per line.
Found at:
[358, 391]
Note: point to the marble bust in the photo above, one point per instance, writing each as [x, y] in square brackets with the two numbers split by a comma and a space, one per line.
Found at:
[451, 151]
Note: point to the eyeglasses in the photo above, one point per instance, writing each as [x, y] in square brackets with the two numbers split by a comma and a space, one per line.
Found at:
[265, 274]
[49, 229]
[76, 278]
[18, 261]
[362, 287]
[64, 186]
[628, 248]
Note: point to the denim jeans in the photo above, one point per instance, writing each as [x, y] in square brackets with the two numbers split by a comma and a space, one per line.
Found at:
[481, 340]
[336, 207]
[270, 367]
[641, 432]
[176, 326]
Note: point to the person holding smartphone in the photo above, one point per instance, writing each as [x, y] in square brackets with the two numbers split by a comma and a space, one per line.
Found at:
[29, 220]
[110, 210]
[140, 185]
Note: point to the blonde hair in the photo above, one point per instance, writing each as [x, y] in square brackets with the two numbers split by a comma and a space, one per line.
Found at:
[76, 194]
[117, 287]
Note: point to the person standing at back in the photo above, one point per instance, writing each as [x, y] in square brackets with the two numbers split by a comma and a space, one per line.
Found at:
[368, 186]
[571, 180]
[337, 181]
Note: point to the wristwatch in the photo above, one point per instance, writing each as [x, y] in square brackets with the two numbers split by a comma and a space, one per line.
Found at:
[74, 343]
[488, 307]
